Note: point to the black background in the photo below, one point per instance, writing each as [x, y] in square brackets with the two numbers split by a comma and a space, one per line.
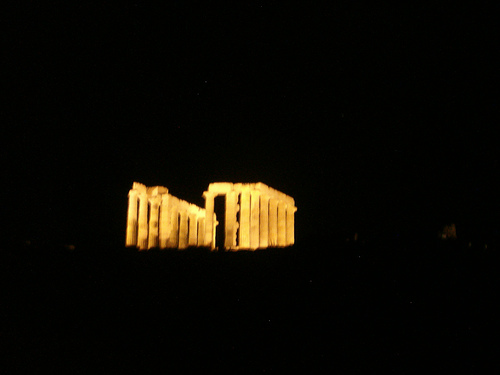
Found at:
[379, 120]
[376, 119]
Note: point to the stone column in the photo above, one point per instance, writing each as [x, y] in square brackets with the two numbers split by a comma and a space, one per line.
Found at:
[254, 219]
[164, 221]
[264, 222]
[173, 238]
[201, 231]
[214, 220]
[290, 225]
[153, 221]
[193, 229]
[231, 220]
[209, 219]
[281, 224]
[131, 237]
[273, 222]
[244, 242]
[183, 229]
[142, 235]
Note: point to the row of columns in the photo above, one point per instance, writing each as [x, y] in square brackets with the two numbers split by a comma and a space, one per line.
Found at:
[158, 219]
[256, 216]
[266, 216]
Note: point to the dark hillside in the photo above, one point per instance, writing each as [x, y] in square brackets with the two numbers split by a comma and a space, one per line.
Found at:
[359, 308]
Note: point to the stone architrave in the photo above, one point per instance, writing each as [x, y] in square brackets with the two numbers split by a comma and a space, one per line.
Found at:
[244, 237]
[281, 224]
[264, 222]
[131, 238]
[273, 222]
[254, 219]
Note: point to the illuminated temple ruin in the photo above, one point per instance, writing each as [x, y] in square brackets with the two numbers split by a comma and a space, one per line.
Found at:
[255, 217]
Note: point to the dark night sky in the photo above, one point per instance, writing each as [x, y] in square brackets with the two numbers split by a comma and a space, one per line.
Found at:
[377, 120]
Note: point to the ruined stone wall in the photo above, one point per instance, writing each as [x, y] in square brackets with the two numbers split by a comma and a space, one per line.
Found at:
[158, 219]
[256, 216]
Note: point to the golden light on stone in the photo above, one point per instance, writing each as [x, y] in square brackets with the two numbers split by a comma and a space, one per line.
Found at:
[256, 217]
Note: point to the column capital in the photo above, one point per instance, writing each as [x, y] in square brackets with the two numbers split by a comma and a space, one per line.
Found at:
[209, 194]
[155, 199]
